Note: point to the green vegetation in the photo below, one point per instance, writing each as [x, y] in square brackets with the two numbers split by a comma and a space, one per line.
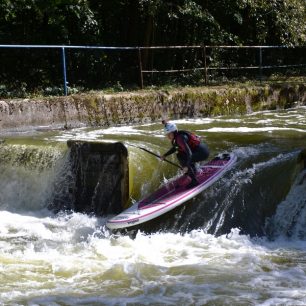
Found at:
[153, 22]
[141, 23]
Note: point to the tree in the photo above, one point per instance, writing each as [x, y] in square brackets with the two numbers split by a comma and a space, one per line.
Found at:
[46, 21]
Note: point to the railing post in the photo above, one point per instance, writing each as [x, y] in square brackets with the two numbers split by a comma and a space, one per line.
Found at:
[260, 64]
[140, 68]
[64, 71]
[205, 66]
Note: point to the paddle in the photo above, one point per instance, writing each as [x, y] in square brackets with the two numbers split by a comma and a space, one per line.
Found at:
[152, 153]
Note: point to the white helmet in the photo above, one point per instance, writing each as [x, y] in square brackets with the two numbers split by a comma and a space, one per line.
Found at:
[170, 128]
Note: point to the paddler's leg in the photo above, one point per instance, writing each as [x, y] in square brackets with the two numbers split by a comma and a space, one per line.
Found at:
[200, 153]
[191, 170]
[194, 181]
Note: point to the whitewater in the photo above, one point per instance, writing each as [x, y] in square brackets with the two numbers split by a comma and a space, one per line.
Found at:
[215, 250]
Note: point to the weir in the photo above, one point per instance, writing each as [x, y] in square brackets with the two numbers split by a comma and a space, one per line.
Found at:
[83, 176]
[92, 175]
[99, 179]
[292, 207]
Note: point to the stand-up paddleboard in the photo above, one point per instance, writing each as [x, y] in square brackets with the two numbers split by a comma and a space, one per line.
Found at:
[172, 194]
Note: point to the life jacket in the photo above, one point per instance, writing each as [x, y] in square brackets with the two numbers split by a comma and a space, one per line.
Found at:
[193, 140]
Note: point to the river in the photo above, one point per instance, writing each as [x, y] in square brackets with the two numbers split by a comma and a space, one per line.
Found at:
[241, 242]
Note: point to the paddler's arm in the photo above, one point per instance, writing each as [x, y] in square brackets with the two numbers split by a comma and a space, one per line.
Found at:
[171, 151]
[181, 141]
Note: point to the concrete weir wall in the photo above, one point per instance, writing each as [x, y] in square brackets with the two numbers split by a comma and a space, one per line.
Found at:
[101, 177]
[101, 109]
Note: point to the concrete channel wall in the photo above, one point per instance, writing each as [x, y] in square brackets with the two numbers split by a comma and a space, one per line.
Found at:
[101, 109]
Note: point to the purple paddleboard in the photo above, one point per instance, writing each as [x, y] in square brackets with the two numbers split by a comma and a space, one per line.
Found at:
[172, 194]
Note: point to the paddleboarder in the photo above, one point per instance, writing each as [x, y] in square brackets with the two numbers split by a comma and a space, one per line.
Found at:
[189, 147]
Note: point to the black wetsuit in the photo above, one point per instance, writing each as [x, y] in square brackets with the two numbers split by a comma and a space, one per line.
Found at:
[188, 154]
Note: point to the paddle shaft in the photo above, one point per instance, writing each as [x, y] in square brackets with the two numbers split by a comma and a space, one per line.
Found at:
[152, 153]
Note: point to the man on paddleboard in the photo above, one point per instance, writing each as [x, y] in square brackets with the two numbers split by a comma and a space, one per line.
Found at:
[189, 147]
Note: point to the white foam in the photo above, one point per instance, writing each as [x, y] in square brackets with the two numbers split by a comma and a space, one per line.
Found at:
[245, 129]
[194, 121]
[71, 255]
[81, 134]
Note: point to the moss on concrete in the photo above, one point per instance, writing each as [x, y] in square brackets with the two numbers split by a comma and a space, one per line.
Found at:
[99, 109]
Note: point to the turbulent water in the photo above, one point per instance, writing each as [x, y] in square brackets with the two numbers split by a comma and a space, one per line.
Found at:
[241, 242]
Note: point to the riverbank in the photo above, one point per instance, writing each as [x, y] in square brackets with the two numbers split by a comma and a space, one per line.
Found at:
[101, 109]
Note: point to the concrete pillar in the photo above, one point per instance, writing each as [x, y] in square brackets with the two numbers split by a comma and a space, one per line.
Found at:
[101, 176]
[302, 158]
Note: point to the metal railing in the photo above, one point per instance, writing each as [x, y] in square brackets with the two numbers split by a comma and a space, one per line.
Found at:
[205, 67]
